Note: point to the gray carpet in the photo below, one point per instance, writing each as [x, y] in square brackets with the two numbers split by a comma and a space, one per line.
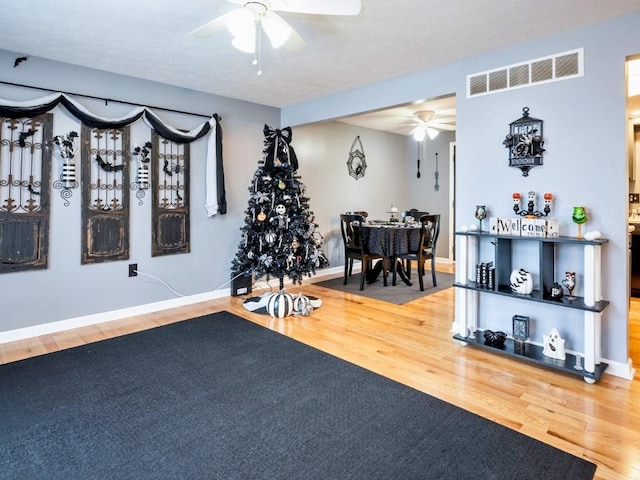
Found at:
[219, 397]
[400, 294]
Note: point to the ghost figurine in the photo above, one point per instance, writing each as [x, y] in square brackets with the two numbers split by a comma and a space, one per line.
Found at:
[554, 345]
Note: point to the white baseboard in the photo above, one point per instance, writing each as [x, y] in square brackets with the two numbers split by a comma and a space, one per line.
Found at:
[71, 323]
[93, 319]
[618, 369]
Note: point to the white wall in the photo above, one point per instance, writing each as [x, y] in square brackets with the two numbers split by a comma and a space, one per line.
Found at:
[323, 151]
[421, 192]
[585, 161]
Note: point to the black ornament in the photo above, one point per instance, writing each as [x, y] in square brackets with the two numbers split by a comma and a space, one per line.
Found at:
[357, 164]
[494, 339]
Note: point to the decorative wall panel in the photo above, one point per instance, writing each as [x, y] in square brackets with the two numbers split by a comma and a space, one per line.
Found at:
[170, 184]
[25, 176]
[105, 194]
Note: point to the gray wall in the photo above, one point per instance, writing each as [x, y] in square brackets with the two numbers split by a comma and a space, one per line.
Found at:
[585, 162]
[68, 290]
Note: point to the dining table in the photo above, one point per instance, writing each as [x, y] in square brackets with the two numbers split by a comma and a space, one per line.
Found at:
[390, 239]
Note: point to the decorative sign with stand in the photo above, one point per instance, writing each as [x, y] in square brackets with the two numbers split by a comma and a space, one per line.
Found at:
[525, 142]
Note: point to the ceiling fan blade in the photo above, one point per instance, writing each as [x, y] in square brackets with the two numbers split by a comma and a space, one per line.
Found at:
[442, 126]
[326, 7]
[294, 42]
[445, 120]
[213, 26]
[277, 30]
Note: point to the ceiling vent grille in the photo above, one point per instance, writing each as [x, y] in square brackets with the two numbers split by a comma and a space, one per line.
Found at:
[553, 68]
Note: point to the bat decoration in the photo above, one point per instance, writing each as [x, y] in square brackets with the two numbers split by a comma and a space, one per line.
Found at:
[18, 61]
[106, 166]
[170, 170]
[31, 190]
[24, 136]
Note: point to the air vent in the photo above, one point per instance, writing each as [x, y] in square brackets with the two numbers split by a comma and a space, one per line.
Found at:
[553, 68]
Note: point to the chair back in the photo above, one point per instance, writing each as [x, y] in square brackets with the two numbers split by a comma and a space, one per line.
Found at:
[429, 232]
[363, 213]
[350, 227]
[414, 213]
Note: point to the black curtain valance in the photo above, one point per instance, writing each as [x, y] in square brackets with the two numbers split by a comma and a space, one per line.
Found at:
[33, 108]
[216, 198]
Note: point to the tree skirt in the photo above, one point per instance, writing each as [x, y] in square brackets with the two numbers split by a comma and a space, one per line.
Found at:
[259, 304]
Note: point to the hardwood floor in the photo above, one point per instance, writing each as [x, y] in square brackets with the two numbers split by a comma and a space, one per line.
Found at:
[412, 344]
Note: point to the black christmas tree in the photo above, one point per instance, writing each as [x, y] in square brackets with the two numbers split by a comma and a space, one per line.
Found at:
[279, 236]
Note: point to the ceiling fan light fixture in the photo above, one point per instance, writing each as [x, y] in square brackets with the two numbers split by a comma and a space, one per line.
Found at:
[277, 30]
[418, 134]
[245, 44]
[241, 23]
[432, 132]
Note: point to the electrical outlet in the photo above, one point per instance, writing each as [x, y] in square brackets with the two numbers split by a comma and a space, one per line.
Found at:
[634, 198]
[133, 269]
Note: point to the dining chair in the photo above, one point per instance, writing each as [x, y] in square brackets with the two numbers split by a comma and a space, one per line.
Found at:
[354, 248]
[429, 231]
[365, 215]
[362, 212]
[415, 213]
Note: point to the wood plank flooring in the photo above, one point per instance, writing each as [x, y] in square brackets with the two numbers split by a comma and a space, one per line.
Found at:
[412, 344]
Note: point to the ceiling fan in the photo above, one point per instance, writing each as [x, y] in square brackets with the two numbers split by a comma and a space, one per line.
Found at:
[427, 123]
[247, 22]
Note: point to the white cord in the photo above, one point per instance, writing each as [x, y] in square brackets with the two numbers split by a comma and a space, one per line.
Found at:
[217, 288]
[161, 281]
[255, 285]
[228, 282]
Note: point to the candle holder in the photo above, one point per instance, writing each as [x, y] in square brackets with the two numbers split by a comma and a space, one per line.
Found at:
[579, 217]
[480, 214]
[569, 283]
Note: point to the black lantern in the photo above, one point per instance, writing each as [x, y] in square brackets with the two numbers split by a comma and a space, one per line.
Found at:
[357, 164]
[520, 331]
[525, 142]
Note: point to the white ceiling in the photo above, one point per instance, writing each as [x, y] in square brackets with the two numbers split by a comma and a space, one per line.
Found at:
[150, 40]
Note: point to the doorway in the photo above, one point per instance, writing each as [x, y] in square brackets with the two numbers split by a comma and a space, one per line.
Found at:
[452, 202]
[632, 67]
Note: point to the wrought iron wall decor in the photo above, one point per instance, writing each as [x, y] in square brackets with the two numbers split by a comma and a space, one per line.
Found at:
[25, 175]
[67, 146]
[143, 171]
[216, 196]
[357, 164]
[170, 189]
[105, 201]
[525, 141]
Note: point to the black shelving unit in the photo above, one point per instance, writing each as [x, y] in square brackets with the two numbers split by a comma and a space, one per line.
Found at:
[538, 296]
[503, 264]
[533, 354]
